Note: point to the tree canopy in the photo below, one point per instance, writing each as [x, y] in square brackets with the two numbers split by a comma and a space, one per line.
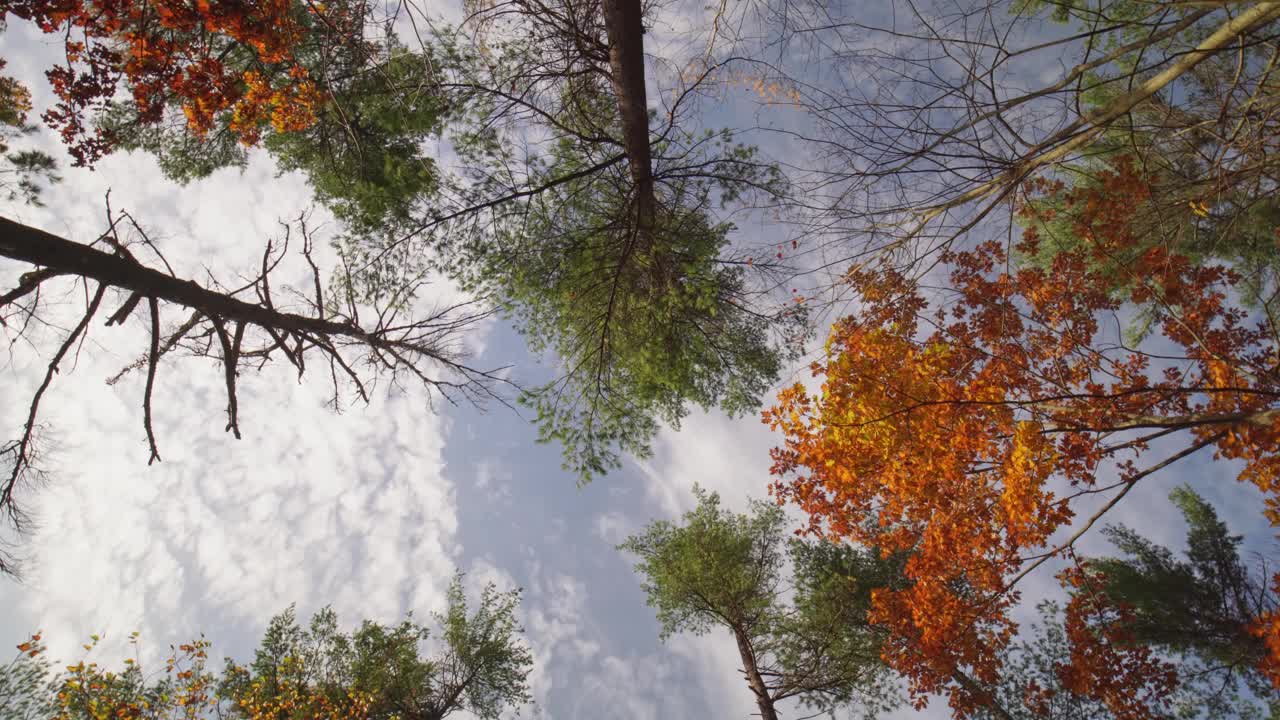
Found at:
[1040, 237]
[966, 430]
[474, 662]
[720, 569]
[603, 244]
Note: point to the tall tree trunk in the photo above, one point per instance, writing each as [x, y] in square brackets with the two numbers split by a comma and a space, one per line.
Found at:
[752, 669]
[625, 28]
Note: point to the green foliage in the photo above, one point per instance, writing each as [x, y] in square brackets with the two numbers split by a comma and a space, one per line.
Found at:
[1202, 605]
[719, 569]
[642, 315]
[27, 685]
[825, 637]
[476, 663]
[484, 663]
[1119, 13]
[364, 157]
[23, 173]
[182, 156]
[833, 585]
[481, 667]
[1031, 689]
[32, 170]
[713, 569]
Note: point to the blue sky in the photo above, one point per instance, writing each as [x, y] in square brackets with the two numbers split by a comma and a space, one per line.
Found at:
[371, 510]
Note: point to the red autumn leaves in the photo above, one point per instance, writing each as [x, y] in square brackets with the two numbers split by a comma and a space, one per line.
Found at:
[966, 428]
[206, 58]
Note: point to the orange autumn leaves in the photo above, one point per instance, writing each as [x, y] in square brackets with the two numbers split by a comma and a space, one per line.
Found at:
[176, 52]
[965, 428]
[287, 697]
[87, 691]
[288, 108]
[1106, 661]
[32, 647]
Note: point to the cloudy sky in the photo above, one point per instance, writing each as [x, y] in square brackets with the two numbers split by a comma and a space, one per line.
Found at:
[371, 510]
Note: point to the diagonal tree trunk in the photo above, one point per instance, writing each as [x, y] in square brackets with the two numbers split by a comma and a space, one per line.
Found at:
[418, 347]
[751, 668]
[59, 256]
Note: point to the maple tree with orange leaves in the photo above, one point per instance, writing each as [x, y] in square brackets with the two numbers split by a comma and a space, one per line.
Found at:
[208, 58]
[967, 427]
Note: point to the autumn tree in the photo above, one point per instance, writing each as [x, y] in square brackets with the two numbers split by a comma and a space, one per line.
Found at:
[720, 569]
[920, 126]
[964, 424]
[1206, 608]
[378, 103]
[381, 672]
[1031, 686]
[1204, 145]
[327, 88]
[378, 672]
[1197, 613]
[86, 690]
[945, 124]
[211, 61]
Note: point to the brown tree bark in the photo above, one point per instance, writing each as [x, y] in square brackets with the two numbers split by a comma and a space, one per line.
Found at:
[764, 700]
[59, 256]
[417, 347]
[625, 28]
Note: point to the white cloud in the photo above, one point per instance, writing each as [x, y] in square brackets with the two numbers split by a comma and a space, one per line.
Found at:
[613, 527]
[552, 617]
[715, 661]
[312, 507]
[494, 480]
[582, 673]
[724, 455]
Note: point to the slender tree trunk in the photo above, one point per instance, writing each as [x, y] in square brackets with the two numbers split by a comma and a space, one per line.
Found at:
[623, 24]
[752, 670]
